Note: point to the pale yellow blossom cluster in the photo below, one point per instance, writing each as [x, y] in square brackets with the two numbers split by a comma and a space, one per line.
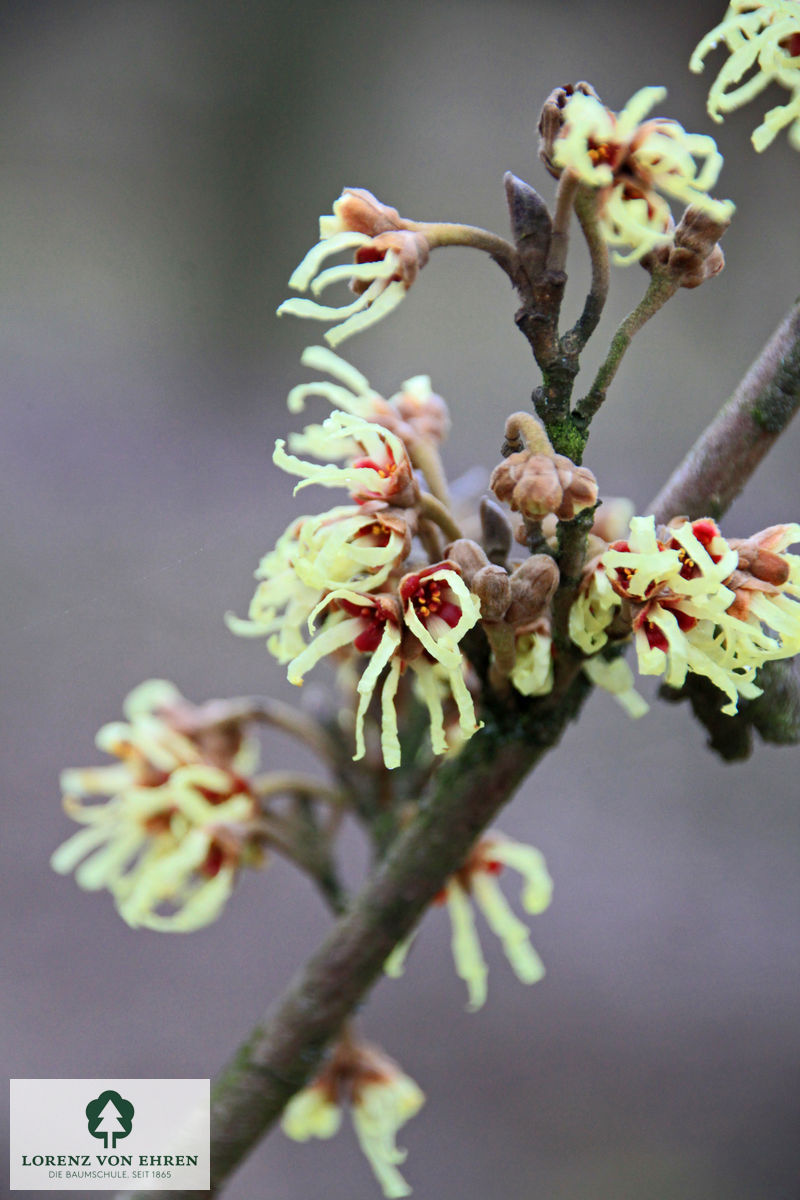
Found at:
[388, 256]
[696, 603]
[346, 577]
[477, 881]
[762, 38]
[633, 165]
[380, 1097]
[178, 820]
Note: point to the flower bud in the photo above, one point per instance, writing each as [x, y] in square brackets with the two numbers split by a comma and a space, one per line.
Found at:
[531, 225]
[468, 556]
[358, 211]
[422, 410]
[492, 586]
[532, 586]
[537, 484]
[612, 518]
[694, 254]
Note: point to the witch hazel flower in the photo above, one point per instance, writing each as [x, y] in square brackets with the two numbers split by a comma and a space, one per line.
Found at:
[532, 674]
[388, 258]
[593, 609]
[477, 883]
[766, 586]
[763, 41]
[413, 413]
[679, 600]
[354, 544]
[175, 827]
[381, 469]
[420, 627]
[381, 1099]
[438, 609]
[633, 165]
[282, 602]
[615, 677]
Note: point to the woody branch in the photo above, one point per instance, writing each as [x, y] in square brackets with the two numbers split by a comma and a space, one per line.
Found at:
[284, 1049]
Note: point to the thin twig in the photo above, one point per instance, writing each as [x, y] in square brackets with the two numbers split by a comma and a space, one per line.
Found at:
[273, 783]
[298, 724]
[433, 510]
[424, 455]
[447, 233]
[559, 238]
[662, 287]
[586, 211]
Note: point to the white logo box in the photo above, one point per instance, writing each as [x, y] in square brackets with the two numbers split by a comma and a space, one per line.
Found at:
[148, 1134]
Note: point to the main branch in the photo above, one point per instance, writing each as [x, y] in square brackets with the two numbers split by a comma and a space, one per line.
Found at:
[464, 797]
[722, 460]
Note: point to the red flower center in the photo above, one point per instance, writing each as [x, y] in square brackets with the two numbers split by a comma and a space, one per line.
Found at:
[375, 617]
[600, 152]
[368, 254]
[376, 534]
[656, 638]
[214, 861]
[429, 600]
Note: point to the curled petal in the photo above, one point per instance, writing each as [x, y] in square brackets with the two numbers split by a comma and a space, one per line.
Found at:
[467, 954]
[512, 932]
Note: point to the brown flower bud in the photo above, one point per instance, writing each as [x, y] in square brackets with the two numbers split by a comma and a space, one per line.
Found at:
[694, 254]
[533, 585]
[552, 118]
[761, 564]
[612, 518]
[425, 413]
[468, 556]
[492, 586]
[760, 567]
[580, 488]
[537, 484]
[528, 483]
[361, 212]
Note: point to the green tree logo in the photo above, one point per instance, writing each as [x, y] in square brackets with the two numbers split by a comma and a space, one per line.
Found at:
[109, 1117]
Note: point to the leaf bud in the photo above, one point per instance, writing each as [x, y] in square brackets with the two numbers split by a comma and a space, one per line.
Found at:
[496, 533]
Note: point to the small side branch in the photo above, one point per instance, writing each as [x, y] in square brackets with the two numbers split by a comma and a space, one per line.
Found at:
[297, 724]
[559, 239]
[433, 510]
[722, 460]
[662, 287]
[446, 233]
[586, 211]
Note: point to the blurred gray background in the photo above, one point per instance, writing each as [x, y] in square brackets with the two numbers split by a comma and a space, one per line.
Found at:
[162, 167]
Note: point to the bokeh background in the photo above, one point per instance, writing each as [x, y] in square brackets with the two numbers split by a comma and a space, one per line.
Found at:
[163, 164]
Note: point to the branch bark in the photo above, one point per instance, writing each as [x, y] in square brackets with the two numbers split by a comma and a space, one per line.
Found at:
[284, 1051]
[464, 797]
[722, 460]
